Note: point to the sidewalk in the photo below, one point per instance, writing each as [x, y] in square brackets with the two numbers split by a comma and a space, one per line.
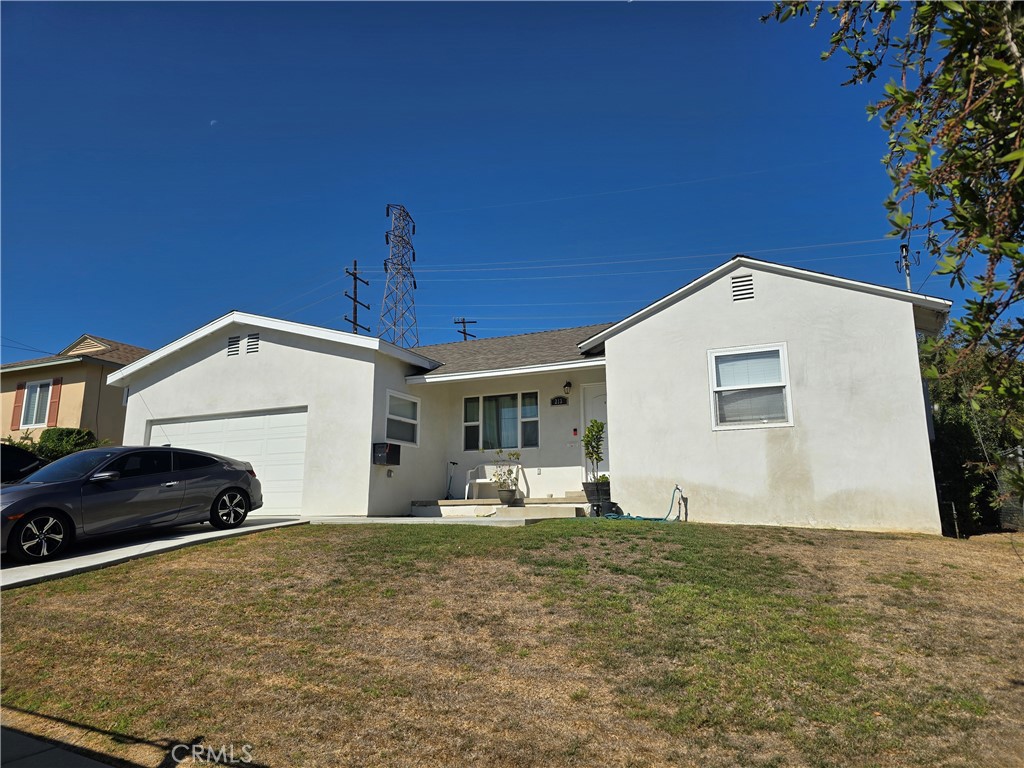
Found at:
[19, 750]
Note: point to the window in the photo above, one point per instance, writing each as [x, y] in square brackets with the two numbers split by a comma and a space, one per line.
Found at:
[37, 404]
[233, 343]
[403, 423]
[185, 461]
[252, 343]
[501, 421]
[141, 463]
[750, 387]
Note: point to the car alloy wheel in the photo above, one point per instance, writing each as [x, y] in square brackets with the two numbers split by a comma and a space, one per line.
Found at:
[230, 509]
[41, 536]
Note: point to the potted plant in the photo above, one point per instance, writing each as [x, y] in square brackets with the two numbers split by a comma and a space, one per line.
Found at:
[506, 475]
[598, 490]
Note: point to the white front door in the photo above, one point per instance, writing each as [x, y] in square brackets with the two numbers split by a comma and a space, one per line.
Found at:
[595, 406]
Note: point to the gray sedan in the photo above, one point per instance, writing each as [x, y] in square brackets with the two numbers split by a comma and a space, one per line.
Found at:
[107, 490]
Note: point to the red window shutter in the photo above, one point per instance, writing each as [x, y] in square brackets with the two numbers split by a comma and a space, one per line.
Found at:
[51, 414]
[19, 403]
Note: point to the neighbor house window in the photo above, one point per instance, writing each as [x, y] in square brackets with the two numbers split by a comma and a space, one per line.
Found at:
[750, 387]
[501, 421]
[403, 425]
[37, 404]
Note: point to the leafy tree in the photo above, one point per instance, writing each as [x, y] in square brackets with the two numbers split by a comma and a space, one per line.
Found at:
[955, 159]
[969, 440]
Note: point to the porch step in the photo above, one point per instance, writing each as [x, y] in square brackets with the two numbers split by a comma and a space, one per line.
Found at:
[492, 509]
[569, 498]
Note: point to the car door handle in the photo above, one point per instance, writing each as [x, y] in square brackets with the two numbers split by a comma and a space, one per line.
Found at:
[170, 484]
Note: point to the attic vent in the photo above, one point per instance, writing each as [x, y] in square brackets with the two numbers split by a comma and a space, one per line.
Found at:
[252, 343]
[85, 347]
[742, 287]
[233, 342]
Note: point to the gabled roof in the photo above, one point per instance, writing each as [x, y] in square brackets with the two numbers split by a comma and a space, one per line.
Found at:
[523, 353]
[106, 350]
[929, 311]
[258, 321]
[86, 348]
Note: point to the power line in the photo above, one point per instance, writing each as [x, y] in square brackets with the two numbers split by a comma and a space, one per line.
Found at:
[598, 262]
[15, 344]
[620, 273]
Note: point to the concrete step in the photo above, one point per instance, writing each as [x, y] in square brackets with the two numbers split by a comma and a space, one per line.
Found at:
[484, 509]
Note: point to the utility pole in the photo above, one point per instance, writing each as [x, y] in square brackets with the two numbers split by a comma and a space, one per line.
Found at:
[356, 303]
[397, 310]
[465, 334]
[905, 260]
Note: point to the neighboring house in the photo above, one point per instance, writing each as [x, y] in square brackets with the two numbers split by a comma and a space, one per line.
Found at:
[68, 390]
[772, 395]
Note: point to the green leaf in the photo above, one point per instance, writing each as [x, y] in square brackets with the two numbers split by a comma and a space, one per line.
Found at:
[953, 6]
[1018, 155]
[996, 64]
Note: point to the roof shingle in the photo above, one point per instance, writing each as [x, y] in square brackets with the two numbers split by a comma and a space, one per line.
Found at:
[501, 352]
[115, 352]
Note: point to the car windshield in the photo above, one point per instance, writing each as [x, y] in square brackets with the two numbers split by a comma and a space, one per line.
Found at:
[70, 467]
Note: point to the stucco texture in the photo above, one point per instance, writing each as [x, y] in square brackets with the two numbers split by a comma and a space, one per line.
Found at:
[334, 382]
[857, 454]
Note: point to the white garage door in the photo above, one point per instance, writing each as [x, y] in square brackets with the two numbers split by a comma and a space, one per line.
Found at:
[274, 443]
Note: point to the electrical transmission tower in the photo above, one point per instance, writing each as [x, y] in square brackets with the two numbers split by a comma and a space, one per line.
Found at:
[397, 310]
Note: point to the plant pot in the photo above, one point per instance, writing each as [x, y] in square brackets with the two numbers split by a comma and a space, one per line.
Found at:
[507, 496]
[598, 492]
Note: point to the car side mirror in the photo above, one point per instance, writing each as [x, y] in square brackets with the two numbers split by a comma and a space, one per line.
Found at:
[103, 477]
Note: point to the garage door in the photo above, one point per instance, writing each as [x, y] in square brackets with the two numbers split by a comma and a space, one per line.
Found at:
[274, 443]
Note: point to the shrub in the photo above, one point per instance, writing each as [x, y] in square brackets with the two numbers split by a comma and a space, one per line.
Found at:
[56, 442]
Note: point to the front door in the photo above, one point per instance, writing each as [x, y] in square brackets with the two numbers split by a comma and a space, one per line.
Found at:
[595, 406]
[148, 492]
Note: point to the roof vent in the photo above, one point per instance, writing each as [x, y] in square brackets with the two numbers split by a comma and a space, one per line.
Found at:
[252, 343]
[233, 343]
[742, 287]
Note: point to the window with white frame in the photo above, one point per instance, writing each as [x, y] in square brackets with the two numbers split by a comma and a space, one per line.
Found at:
[37, 404]
[403, 420]
[501, 421]
[750, 387]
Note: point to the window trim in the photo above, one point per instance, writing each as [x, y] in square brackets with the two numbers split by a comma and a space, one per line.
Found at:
[713, 389]
[519, 419]
[388, 416]
[24, 404]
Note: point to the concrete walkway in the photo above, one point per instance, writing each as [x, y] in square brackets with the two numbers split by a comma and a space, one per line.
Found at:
[19, 750]
[500, 522]
[92, 554]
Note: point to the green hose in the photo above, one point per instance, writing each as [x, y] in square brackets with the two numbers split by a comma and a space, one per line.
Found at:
[665, 519]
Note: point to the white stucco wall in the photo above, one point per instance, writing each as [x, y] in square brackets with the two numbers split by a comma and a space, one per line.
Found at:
[551, 469]
[421, 474]
[334, 382]
[857, 455]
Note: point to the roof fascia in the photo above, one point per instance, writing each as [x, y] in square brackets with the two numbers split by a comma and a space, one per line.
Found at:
[285, 326]
[499, 372]
[15, 367]
[917, 299]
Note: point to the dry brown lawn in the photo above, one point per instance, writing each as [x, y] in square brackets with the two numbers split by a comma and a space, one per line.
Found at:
[568, 643]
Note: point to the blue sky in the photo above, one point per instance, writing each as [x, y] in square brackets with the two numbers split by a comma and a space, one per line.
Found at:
[566, 164]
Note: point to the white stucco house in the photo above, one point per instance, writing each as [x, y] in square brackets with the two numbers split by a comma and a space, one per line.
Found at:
[771, 394]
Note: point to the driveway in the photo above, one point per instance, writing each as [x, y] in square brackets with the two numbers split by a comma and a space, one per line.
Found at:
[110, 550]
